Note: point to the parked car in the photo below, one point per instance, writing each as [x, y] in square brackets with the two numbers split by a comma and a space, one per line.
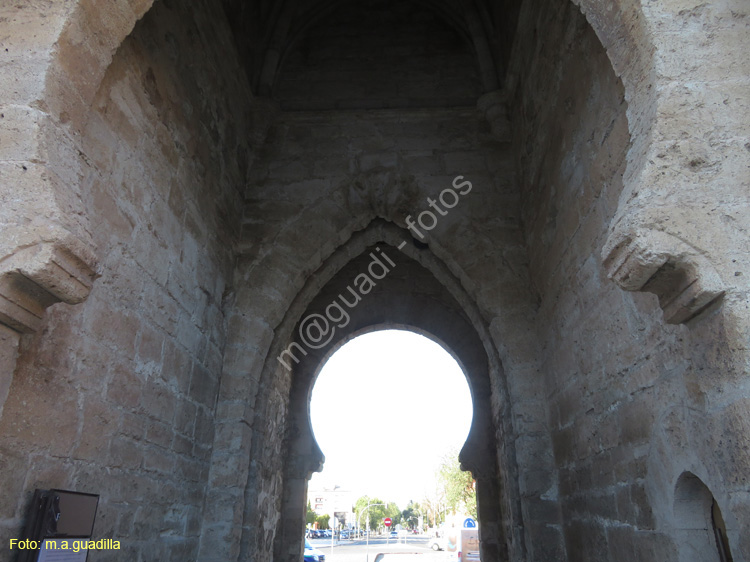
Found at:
[436, 543]
[394, 534]
[312, 554]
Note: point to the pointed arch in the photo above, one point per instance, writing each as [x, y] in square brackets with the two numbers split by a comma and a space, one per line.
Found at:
[701, 532]
[438, 305]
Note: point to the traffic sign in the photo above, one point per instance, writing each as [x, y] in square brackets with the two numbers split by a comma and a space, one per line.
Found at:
[387, 521]
[469, 523]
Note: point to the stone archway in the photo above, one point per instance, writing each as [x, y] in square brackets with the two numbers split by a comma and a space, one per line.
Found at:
[675, 233]
[477, 454]
[700, 530]
[393, 304]
[278, 281]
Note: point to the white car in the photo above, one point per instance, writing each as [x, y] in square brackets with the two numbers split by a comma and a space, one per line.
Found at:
[436, 543]
[312, 554]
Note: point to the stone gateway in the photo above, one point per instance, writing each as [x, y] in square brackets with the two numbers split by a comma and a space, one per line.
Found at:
[182, 184]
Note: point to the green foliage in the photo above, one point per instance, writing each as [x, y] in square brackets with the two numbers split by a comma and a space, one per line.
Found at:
[311, 515]
[376, 513]
[410, 516]
[322, 521]
[393, 512]
[458, 486]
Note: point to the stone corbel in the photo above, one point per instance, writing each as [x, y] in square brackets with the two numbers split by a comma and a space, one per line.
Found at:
[302, 466]
[304, 456]
[494, 107]
[41, 275]
[476, 460]
[656, 262]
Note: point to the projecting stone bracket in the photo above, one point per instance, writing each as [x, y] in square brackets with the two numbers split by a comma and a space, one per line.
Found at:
[476, 458]
[494, 107]
[656, 262]
[39, 276]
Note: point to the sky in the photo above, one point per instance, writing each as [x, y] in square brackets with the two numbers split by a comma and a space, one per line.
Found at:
[387, 406]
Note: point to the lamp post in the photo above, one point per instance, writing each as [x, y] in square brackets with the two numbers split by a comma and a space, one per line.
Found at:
[333, 533]
[367, 534]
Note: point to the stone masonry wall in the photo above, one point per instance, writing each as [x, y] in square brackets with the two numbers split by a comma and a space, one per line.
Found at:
[323, 176]
[572, 136]
[634, 402]
[303, 201]
[162, 391]
[116, 396]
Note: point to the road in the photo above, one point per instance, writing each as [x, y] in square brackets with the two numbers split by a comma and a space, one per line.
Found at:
[358, 551]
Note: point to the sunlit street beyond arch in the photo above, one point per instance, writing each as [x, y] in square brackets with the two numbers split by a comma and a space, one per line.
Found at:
[406, 549]
[388, 409]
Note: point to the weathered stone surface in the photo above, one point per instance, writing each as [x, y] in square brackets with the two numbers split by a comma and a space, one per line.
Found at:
[181, 184]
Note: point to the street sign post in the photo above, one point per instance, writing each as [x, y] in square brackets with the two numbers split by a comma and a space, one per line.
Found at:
[387, 521]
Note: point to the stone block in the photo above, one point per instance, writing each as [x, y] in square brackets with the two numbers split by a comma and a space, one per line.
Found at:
[185, 416]
[203, 387]
[192, 470]
[634, 507]
[124, 454]
[585, 540]
[159, 460]
[228, 471]
[204, 428]
[620, 540]
[98, 422]
[649, 545]
[564, 443]
[177, 366]
[158, 401]
[12, 478]
[123, 338]
[368, 161]
[637, 420]
[160, 434]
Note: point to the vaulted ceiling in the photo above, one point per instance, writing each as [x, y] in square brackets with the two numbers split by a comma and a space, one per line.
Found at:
[267, 32]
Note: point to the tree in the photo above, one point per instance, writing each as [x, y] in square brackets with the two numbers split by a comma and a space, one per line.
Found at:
[393, 512]
[376, 513]
[311, 515]
[410, 516]
[322, 521]
[459, 486]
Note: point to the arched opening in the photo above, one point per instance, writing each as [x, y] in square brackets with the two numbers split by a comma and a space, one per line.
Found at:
[386, 409]
[419, 294]
[134, 372]
[701, 532]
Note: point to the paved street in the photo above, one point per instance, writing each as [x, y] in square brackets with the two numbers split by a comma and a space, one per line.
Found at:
[358, 551]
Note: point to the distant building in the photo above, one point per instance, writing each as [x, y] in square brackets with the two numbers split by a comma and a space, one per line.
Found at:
[335, 502]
